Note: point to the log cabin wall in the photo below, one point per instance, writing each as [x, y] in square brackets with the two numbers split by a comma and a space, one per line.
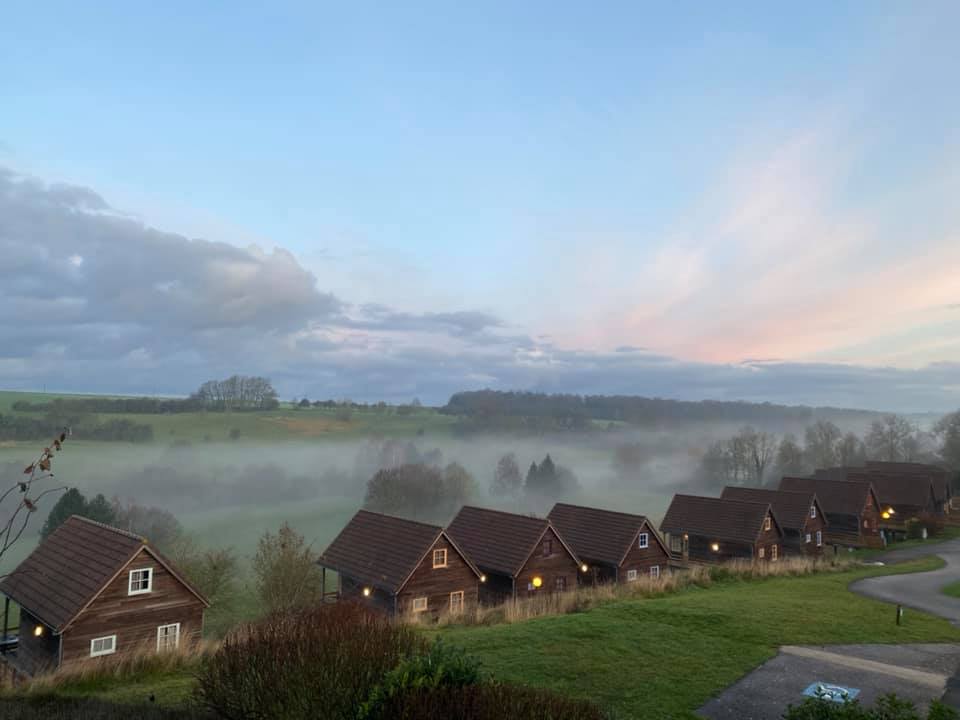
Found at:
[36, 654]
[642, 559]
[701, 548]
[770, 540]
[497, 589]
[436, 584]
[811, 527]
[134, 619]
[351, 589]
[551, 562]
[870, 523]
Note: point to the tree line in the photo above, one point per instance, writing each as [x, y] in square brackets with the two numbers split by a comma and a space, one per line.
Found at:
[19, 427]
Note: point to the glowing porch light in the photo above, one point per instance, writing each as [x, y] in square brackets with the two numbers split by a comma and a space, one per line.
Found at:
[537, 581]
[483, 578]
[715, 547]
[366, 592]
[38, 631]
[584, 567]
[885, 515]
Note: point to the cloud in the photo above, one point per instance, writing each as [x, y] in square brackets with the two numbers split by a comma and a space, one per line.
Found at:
[91, 300]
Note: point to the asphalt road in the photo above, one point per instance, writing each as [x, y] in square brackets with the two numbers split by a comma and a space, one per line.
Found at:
[920, 591]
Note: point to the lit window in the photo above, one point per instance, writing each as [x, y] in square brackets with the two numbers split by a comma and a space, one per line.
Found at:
[631, 575]
[819, 538]
[654, 571]
[440, 558]
[103, 646]
[761, 553]
[168, 637]
[644, 540]
[813, 511]
[141, 581]
[456, 602]
[419, 604]
[808, 537]
[773, 552]
[766, 523]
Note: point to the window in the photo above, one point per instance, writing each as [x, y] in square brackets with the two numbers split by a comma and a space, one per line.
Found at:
[168, 637]
[813, 511]
[456, 602]
[141, 581]
[440, 558]
[819, 538]
[773, 552]
[808, 537]
[560, 583]
[676, 544]
[766, 523]
[761, 553]
[547, 547]
[654, 571]
[631, 575]
[644, 540]
[866, 523]
[103, 646]
[419, 604]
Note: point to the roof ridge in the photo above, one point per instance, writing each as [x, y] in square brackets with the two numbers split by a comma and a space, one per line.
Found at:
[505, 512]
[401, 519]
[117, 530]
[597, 509]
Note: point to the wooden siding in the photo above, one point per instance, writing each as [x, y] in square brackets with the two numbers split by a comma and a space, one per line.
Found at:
[134, 619]
[811, 526]
[36, 654]
[558, 564]
[870, 524]
[768, 540]
[436, 584]
[642, 559]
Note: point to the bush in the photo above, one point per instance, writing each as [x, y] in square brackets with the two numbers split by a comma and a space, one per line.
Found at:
[888, 707]
[290, 664]
[61, 708]
[486, 702]
[442, 666]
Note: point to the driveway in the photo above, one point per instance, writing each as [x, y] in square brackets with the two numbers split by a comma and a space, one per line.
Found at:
[920, 591]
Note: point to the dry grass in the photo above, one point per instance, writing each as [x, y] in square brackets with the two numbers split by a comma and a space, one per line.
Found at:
[585, 598]
[121, 666]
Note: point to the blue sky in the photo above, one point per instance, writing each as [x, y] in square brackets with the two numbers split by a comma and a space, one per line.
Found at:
[712, 184]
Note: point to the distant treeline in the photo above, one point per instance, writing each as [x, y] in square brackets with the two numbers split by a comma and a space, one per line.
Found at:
[560, 412]
[19, 427]
[239, 392]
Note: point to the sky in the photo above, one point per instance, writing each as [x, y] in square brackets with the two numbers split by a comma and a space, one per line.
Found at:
[374, 201]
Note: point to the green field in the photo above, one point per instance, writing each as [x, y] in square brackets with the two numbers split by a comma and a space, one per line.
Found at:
[953, 589]
[652, 658]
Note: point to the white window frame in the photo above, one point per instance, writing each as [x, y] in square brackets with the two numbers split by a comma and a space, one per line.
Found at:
[101, 652]
[813, 511]
[774, 553]
[459, 594]
[766, 523]
[762, 553]
[140, 591]
[819, 538]
[420, 604]
[643, 541]
[176, 636]
[655, 571]
[442, 564]
[631, 575]
[809, 537]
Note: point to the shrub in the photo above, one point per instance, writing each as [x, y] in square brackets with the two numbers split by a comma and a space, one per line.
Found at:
[290, 664]
[61, 708]
[888, 707]
[486, 702]
[442, 666]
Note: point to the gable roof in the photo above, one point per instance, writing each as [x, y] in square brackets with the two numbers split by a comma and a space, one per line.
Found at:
[68, 570]
[891, 488]
[599, 535]
[939, 476]
[732, 520]
[384, 550]
[840, 497]
[791, 508]
[498, 541]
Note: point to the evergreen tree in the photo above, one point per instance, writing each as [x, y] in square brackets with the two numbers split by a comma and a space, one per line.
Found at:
[72, 502]
[101, 510]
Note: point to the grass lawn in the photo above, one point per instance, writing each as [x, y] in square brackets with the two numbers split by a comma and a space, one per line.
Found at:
[950, 532]
[953, 589]
[664, 657]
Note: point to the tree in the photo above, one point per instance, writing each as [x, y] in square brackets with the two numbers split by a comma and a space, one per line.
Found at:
[790, 462]
[754, 451]
[507, 481]
[285, 570]
[72, 502]
[628, 459]
[947, 431]
[547, 481]
[822, 439]
[417, 490]
[101, 510]
[851, 451]
[159, 526]
[458, 486]
[890, 439]
[214, 572]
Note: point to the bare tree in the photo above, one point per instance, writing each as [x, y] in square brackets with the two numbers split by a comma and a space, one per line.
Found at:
[891, 439]
[507, 480]
[16, 519]
[851, 450]
[822, 439]
[947, 431]
[790, 460]
[286, 573]
[757, 449]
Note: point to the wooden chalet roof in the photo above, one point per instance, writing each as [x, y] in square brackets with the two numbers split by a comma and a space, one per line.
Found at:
[721, 519]
[840, 497]
[599, 535]
[67, 571]
[383, 550]
[939, 476]
[498, 541]
[790, 508]
[891, 488]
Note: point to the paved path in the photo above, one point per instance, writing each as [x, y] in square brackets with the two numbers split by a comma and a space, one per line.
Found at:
[920, 591]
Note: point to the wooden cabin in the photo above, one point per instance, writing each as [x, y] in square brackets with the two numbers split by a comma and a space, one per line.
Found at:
[939, 477]
[851, 506]
[616, 546]
[91, 591]
[901, 497]
[706, 529]
[401, 566]
[802, 520]
[520, 555]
